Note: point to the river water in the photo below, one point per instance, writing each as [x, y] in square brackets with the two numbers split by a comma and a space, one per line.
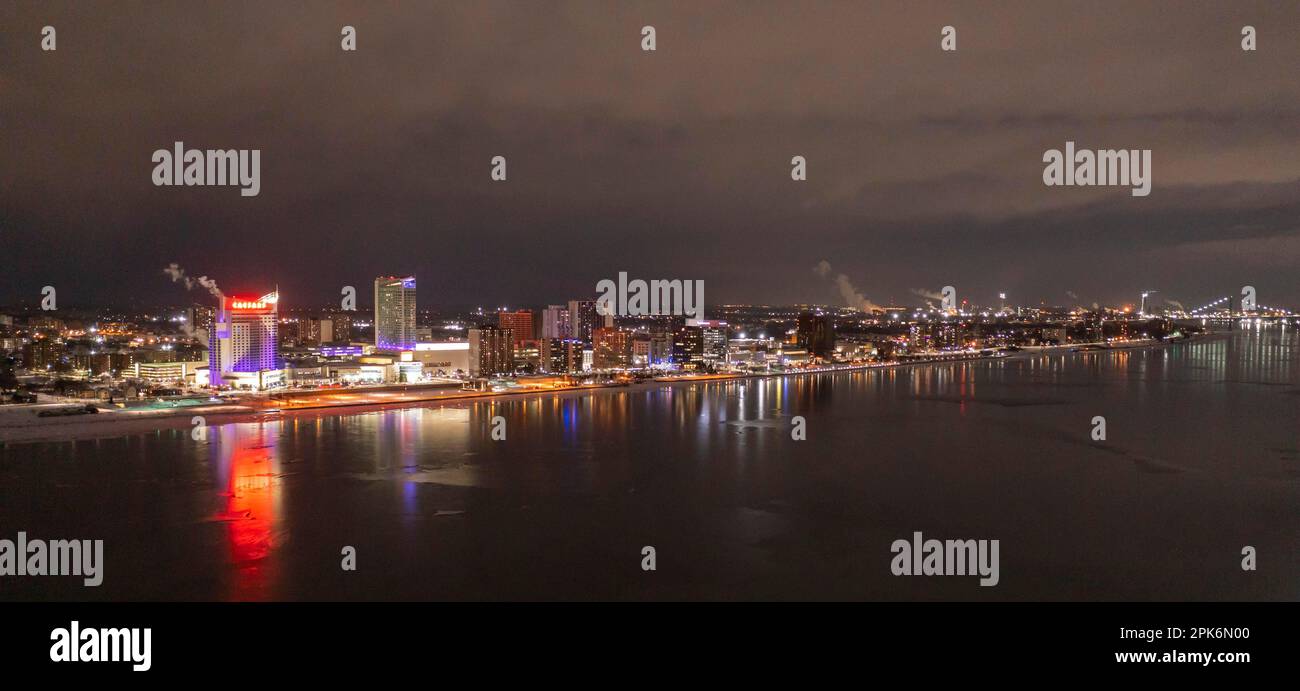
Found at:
[1200, 460]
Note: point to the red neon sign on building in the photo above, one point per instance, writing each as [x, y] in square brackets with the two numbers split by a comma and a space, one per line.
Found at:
[246, 305]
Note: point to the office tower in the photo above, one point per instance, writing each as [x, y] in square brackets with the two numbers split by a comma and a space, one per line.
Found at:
[342, 327]
[290, 331]
[661, 347]
[395, 313]
[320, 331]
[816, 333]
[688, 346]
[200, 319]
[663, 336]
[582, 318]
[519, 322]
[611, 348]
[244, 342]
[528, 356]
[561, 355]
[641, 347]
[714, 336]
[552, 355]
[555, 322]
[308, 331]
[491, 351]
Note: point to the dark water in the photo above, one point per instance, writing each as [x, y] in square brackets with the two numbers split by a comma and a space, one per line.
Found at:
[1201, 459]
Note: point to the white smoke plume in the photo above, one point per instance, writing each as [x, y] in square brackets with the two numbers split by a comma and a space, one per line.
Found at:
[211, 285]
[1175, 304]
[848, 292]
[927, 294]
[178, 275]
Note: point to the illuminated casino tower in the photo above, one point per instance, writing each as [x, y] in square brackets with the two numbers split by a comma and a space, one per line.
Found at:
[244, 341]
[395, 313]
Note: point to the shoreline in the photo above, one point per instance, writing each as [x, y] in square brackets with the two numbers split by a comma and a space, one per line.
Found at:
[115, 424]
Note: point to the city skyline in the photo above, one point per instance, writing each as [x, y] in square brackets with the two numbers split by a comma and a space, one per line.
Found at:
[883, 303]
[1149, 300]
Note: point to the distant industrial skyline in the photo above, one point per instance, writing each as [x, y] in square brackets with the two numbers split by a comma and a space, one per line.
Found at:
[913, 299]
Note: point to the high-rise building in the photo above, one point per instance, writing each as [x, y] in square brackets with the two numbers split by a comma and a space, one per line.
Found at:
[562, 355]
[491, 351]
[322, 331]
[661, 347]
[528, 356]
[395, 313]
[714, 336]
[307, 330]
[200, 319]
[816, 332]
[342, 327]
[582, 318]
[520, 323]
[663, 337]
[555, 322]
[551, 347]
[641, 347]
[244, 346]
[41, 353]
[688, 347]
[611, 348]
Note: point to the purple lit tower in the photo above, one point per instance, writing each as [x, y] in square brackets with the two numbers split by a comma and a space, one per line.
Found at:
[395, 313]
[244, 342]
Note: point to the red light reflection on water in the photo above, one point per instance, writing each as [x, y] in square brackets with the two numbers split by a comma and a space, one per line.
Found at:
[249, 470]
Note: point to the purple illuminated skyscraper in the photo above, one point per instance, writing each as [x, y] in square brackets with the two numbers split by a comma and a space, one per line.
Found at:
[395, 313]
[244, 343]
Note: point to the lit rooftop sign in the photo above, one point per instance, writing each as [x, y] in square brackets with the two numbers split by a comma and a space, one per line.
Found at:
[246, 304]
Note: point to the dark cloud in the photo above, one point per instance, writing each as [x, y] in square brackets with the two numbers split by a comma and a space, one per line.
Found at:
[924, 167]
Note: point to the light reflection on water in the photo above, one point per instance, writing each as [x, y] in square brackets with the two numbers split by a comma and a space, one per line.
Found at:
[1202, 457]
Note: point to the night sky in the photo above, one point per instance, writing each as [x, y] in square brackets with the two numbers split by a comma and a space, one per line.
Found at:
[924, 167]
